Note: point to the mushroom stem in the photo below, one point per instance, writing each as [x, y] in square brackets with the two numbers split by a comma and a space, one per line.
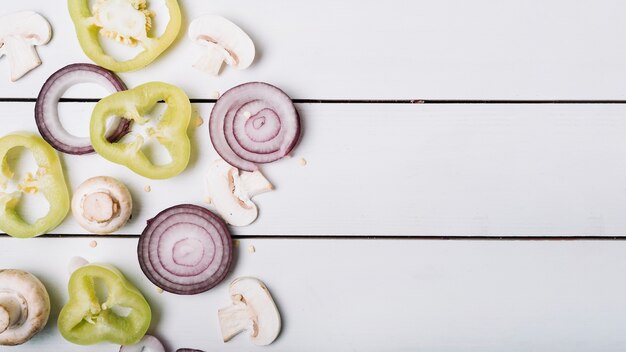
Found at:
[234, 319]
[102, 204]
[22, 56]
[13, 310]
[212, 59]
[100, 207]
[255, 183]
[5, 319]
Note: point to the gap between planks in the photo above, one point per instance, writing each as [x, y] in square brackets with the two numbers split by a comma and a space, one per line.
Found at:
[360, 101]
[368, 237]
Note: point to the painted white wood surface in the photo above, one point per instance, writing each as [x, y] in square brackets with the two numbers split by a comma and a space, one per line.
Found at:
[396, 49]
[391, 169]
[409, 169]
[361, 295]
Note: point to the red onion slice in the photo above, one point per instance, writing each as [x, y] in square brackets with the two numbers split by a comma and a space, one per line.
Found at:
[262, 127]
[188, 350]
[47, 113]
[254, 123]
[185, 249]
[147, 344]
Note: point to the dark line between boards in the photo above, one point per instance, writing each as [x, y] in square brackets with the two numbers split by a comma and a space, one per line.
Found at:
[453, 101]
[361, 101]
[438, 238]
[373, 237]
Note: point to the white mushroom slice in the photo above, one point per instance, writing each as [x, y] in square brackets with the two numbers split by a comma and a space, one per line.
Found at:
[102, 204]
[223, 42]
[230, 192]
[24, 306]
[253, 309]
[20, 32]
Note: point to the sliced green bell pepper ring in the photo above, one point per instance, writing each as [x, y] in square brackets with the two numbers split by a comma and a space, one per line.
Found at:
[48, 180]
[124, 318]
[171, 130]
[87, 32]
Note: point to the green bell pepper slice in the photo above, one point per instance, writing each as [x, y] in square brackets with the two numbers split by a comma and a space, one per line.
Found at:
[171, 130]
[87, 31]
[84, 320]
[48, 180]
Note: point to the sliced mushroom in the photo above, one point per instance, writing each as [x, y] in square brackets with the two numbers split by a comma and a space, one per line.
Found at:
[20, 32]
[24, 306]
[231, 192]
[223, 42]
[253, 309]
[102, 204]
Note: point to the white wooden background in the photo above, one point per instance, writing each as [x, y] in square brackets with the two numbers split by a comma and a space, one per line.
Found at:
[468, 166]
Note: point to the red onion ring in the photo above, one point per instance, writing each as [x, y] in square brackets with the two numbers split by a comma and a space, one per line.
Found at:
[147, 343]
[185, 249]
[46, 107]
[188, 350]
[253, 123]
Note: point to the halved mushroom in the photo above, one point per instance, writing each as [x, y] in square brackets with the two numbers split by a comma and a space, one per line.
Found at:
[102, 204]
[253, 309]
[24, 306]
[223, 42]
[20, 32]
[231, 192]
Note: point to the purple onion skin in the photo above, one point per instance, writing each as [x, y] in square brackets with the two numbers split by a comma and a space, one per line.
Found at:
[188, 350]
[120, 131]
[153, 275]
[243, 163]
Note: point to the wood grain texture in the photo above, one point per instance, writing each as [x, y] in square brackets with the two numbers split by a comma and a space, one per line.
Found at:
[378, 295]
[367, 49]
[409, 170]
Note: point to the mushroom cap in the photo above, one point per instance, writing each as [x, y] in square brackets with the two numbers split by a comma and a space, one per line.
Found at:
[37, 300]
[218, 30]
[261, 305]
[28, 24]
[230, 193]
[102, 185]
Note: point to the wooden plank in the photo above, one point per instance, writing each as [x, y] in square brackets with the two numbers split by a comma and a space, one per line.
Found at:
[409, 169]
[378, 295]
[356, 49]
